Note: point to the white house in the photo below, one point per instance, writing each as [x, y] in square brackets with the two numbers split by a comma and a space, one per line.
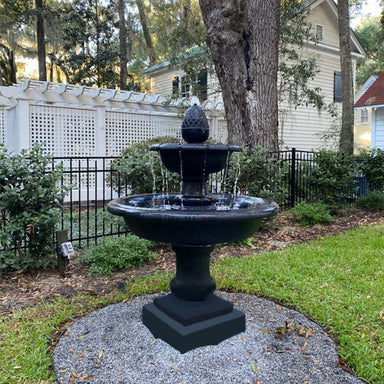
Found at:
[304, 126]
[369, 116]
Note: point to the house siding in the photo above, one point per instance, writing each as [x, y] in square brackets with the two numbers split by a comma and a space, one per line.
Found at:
[162, 82]
[304, 126]
[324, 15]
[378, 140]
[362, 132]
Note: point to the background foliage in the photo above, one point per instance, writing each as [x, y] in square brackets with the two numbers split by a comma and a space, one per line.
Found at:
[30, 204]
[115, 253]
[142, 171]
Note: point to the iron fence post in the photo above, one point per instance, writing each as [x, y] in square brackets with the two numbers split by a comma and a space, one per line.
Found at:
[293, 177]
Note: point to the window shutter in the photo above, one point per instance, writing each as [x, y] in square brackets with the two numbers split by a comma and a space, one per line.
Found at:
[319, 32]
[203, 85]
[337, 89]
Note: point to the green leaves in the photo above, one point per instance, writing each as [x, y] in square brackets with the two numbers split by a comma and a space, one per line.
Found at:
[311, 214]
[332, 178]
[30, 205]
[139, 168]
[259, 175]
[117, 253]
[373, 168]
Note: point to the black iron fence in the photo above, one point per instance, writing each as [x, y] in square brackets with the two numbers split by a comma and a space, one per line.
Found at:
[298, 166]
[85, 217]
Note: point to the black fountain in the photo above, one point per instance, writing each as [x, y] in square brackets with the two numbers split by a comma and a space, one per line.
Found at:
[193, 221]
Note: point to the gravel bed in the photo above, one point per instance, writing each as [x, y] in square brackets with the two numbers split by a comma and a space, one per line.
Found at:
[279, 346]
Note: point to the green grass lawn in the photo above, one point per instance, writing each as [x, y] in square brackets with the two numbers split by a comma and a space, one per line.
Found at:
[337, 281]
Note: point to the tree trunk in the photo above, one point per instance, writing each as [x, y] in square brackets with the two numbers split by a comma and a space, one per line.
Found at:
[347, 119]
[243, 39]
[147, 35]
[51, 67]
[40, 41]
[123, 46]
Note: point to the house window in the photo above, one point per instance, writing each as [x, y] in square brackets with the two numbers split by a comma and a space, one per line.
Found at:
[175, 86]
[185, 87]
[202, 86]
[363, 116]
[337, 89]
[319, 32]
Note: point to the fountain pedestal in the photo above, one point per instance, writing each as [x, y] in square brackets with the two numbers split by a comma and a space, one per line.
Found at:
[191, 315]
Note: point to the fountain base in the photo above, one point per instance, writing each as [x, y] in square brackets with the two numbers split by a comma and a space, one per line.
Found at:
[190, 312]
[197, 334]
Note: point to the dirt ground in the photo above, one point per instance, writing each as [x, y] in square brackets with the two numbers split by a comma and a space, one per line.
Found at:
[23, 290]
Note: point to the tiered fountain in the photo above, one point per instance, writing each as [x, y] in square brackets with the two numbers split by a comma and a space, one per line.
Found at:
[193, 221]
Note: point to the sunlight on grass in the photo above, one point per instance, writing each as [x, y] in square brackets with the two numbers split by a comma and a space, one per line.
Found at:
[337, 281]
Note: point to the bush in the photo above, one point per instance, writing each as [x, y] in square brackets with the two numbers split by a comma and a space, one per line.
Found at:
[311, 214]
[253, 173]
[373, 201]
[30, 205]
[332, 178]
[116, 253]
[139, 168]
[373, 168]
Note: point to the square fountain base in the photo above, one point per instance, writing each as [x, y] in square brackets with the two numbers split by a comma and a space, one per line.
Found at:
[187, 337]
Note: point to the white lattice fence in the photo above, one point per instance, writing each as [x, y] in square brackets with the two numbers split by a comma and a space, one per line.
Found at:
[122, 129]
[90, 123]
[2, 125]
[65, 131]
[218, 129]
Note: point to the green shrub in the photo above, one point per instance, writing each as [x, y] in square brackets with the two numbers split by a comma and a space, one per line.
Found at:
[311, 214]
[373, 201]
[138, 168]
[332, 178]
[253, 173]
[116, 253]
[373, 168]
[30, 206]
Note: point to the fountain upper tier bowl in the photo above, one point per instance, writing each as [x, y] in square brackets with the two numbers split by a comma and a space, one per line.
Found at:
[195, 162]
[165, 219]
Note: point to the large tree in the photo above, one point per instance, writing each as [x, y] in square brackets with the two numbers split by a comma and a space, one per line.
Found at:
[347, 118]
[90, 51]
[40, 36]
[123, 45]
[370, 33]
[147, 35]
[243, 37]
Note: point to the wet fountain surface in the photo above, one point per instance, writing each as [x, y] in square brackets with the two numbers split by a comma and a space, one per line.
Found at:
[216, 218]
[279, 346]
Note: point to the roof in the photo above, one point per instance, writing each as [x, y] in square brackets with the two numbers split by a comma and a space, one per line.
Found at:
[190, 52]
[371, 79]
[374, 95]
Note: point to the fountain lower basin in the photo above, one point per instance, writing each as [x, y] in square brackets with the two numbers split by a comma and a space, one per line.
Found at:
[169, 219]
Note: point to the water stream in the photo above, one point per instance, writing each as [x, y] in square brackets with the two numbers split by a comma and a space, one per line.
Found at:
[237, 168]
[181, 179]
[151, 159]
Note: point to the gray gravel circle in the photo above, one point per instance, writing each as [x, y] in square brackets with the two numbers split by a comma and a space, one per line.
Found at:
[279, 346]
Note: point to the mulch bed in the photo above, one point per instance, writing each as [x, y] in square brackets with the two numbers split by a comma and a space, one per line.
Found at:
[23, 290]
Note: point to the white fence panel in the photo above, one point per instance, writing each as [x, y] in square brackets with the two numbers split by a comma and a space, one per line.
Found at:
[65, 131]
[125, 128]
[76, 122]
[2, 125]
